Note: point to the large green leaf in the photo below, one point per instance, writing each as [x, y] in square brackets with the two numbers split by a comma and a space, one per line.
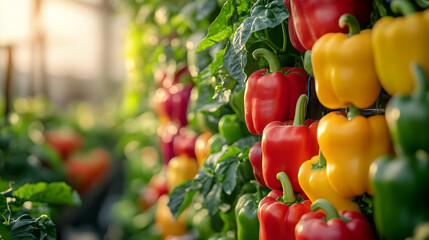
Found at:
[264, 14]
[26, 227]
[180, 198]
[54, 193]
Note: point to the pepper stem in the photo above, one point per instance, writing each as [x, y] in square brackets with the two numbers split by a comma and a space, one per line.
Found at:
[327, 207]
[288, 194]
[421, 83]
[351, 21]
[321, 164]
[299, 118]
[284, 33]
[423, 3]
[258, 190]
[270, 57]
[403, 7]
[353, 111]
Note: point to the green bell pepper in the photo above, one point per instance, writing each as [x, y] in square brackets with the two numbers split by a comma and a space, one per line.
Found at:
[230, 128]
[237, 102]
[407, 117]
[401, 194]
[246, 212]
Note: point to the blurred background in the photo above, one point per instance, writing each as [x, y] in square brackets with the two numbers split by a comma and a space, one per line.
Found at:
[78, 98]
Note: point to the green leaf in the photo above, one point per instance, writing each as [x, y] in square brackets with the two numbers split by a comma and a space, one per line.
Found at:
[264, 14]
[26, 227]
[223, 26]
[204, 8]
[234, 63]
[4, 207]
[247, 141]
[180, 198]
[213, 199]
[4, 185]
[226, 171]
[53, 193]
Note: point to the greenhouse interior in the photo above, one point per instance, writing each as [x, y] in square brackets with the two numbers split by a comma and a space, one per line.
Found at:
[214, 119]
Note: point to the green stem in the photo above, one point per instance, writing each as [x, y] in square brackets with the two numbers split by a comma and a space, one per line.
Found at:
[327, 207]
[351, 21]
[403, 7]
[284, 37]
[288, 194]
[421, 84]
[258, 190]
[321, 164]
[353, 111]
[299, 118]
[270, 57]
[423, 3]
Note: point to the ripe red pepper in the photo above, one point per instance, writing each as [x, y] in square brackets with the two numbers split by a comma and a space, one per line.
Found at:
[184, 143]
[286, 147]
[271, 95]
[255, 158]
[333, 225]
[293, 37]
[279, 212]
[314, 18]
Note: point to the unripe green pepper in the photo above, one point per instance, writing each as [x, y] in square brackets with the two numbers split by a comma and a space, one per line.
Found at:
[246, 213]
[230, 128]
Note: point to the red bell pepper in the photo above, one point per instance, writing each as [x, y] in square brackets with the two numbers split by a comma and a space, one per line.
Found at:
[314, 18]
[286, 147]
[184, 143]
[293, 36]
[332, 225]
[271, 95]
[167, 133]
[255, 158]
[279, 212]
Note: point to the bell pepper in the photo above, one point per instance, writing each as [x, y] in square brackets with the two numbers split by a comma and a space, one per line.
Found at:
[286, 147]
[279, 212]
[64, 141]
[230, 128]
[392, 58]
[350, 144]
[237, 101]
[271, 95]
[314, 18]
[401, 191]
[171, 104]
[293, 37]
[246, 214]
[332, 225]
[180, 169]
[165, 222]
[255, 158]
[184, 143]
[343, 67]
[313, 181]
[166, 134]
[407, 117]
[202, 147]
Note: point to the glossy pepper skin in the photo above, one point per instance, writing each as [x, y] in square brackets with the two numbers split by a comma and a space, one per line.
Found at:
[202, 147]
[392, 58]
[246, 214]
[350, 144]
[344, 69]
[180, 169]
[293, 37]
[407, 117]
[332, 225]
[255, 158]
[279, 218]
[401, 194]
[286, 147]
[314, 18]
[230, 128]
[313, 180]
[272, 96]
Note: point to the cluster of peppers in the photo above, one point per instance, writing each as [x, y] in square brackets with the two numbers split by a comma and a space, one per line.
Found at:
[347, 154]
[177, 144]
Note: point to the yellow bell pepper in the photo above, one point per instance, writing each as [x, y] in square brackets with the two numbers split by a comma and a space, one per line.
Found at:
[344, 69]
[313, 181]
[202, 147]
[397, 42]
[350, 144]
[165, 222]
[180, 169]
